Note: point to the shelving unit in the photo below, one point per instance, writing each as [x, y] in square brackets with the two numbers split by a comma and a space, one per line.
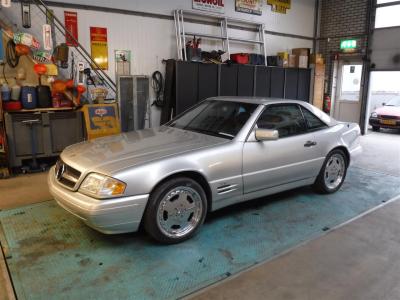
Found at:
[224, 22]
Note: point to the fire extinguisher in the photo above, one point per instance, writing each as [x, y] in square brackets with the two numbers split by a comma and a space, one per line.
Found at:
[327, 104]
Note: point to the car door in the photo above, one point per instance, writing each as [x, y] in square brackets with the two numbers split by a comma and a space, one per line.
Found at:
[289, 159]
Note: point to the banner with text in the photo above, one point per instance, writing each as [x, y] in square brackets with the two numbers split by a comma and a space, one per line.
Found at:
[253, 7]
[99, 46]
[216, 6]
[71, 25]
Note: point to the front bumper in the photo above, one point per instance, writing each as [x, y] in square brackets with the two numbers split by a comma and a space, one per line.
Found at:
[117, 215]
[379, 123]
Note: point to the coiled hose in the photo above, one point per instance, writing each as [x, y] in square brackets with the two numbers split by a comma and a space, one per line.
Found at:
[157, 83]
[11, 55]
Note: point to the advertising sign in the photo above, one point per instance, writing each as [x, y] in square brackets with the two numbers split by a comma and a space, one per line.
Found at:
[101, 120]
[253, 7]
[280, 6]
[71, 25]
[216, 6]
[122, 62]
[99, 46]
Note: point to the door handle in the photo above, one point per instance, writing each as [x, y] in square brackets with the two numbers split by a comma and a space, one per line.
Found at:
[310, 144]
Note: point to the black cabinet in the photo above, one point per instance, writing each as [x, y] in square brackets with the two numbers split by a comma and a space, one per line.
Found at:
[263, 81]
[195, 82]
[187, 84]
[208, 81]
[228, 80]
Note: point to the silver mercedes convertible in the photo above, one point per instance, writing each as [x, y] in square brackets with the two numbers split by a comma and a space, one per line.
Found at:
[223, 151]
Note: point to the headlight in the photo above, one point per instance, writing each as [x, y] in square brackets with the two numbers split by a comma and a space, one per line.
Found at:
[374, 115]
[101, 186]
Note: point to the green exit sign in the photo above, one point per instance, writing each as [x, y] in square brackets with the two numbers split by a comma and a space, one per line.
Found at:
[348, 44]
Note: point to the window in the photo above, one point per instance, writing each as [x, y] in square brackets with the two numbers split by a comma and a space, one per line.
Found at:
[387, 16]
[313, 122]
[287, 119]
[218, 118]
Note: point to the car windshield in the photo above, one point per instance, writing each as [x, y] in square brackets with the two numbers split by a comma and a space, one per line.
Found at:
[217, 118]
[393, 102]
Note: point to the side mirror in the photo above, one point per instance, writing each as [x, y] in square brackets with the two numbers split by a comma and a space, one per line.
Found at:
[266, 135]
[383, 103]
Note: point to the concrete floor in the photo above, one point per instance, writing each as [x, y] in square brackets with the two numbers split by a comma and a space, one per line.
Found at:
[358, 261]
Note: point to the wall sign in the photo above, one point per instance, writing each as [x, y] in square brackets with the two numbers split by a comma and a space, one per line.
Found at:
[101, 120]
[253, 7]
[122, 62]
[216, 6]
[99, 46]
[71, 24]
[280, 6]
[348, 45]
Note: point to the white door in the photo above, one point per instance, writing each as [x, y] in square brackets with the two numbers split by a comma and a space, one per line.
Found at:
[347, 106]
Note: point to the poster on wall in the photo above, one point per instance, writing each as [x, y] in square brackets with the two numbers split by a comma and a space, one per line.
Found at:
[71, 25]
[216, 6]
[253, 7]
[99, 47]
[122, 62]
[280, 6]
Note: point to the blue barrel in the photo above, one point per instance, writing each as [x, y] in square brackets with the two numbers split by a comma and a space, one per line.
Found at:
[28, 97]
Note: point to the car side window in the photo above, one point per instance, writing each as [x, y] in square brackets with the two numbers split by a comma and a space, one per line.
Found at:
[286, 118]
[313, 122]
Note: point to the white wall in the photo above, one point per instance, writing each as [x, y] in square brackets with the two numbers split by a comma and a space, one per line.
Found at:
[151, 40]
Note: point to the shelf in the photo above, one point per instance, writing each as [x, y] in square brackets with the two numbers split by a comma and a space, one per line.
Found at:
[41, 109]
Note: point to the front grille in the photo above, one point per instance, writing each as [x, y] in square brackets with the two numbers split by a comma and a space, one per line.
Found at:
[389, 117]
[66, 175]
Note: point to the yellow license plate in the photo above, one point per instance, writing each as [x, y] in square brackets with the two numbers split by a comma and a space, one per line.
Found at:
[388, 122]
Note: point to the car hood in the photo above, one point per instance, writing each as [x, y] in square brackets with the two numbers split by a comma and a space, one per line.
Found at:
[388, 111]
[114, 153]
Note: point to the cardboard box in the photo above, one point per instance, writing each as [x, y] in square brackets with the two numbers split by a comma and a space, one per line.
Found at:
[284, 59]
[292, 61]
[302, 57]
[316, 59]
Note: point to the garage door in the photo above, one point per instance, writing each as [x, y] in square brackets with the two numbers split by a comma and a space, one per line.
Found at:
[385, 43]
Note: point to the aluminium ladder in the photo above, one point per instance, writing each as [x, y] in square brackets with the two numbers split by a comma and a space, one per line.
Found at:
[224, 23]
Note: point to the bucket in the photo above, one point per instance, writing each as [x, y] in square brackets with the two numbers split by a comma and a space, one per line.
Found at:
[15, 93]
[5, 93]
[44, 96]
[28, 97]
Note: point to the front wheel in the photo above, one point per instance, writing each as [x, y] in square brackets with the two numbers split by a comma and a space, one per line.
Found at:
[333, 172]
[176, 210]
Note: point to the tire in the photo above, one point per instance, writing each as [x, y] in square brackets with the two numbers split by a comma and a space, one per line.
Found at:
[171, 222]
[375, 128]
[328, 181]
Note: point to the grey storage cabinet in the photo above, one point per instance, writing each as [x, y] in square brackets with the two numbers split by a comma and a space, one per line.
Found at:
[54, 131]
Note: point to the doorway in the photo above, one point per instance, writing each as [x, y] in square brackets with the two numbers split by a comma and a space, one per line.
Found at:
[347, 105]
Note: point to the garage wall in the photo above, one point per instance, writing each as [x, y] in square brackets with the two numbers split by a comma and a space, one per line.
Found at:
[152, 39]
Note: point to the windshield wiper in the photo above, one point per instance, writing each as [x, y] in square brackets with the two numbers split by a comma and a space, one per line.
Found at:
[209, 132]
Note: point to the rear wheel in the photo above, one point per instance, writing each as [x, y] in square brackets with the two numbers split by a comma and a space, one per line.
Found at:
[333, 172]
[176, 210]
[375, 128]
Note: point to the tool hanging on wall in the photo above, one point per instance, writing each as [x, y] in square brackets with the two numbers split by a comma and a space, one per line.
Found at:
[50, 21]
[6, 3]
[81, 68]
[26, 14]
[61, 54]
[47, 39]
[11, 54]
